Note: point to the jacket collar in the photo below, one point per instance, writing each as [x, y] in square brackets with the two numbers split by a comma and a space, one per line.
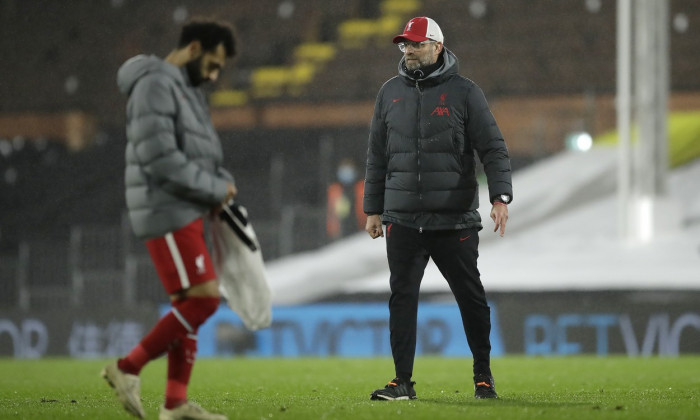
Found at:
[450, 65]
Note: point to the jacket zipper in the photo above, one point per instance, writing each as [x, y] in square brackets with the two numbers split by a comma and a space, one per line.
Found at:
[418, 146]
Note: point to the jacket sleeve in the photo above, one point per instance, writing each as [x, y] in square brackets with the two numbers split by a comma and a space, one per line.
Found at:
[223, 173]
[152, 132]
[375, 175]
[488, 141]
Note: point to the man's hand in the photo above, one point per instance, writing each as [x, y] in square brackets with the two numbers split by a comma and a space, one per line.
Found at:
[374, 226]
[499, 214]
[231, 192]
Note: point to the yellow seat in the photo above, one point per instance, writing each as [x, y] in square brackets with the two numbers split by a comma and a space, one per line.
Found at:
[314, 52]
[300, 76]
[229, 97]
[388, 26]
[400, 7]
[355, 33]
[269, 82]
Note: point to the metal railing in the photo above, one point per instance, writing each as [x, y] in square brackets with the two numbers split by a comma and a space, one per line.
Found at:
[103, 265]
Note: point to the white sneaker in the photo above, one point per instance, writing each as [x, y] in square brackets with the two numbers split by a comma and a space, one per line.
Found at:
[187, 411]
[127, 387]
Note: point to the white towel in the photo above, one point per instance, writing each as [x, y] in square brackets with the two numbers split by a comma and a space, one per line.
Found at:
[239, 265]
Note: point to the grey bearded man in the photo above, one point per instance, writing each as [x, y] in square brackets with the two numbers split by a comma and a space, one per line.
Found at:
[421, 184]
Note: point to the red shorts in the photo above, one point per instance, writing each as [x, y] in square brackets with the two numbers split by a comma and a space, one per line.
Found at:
[181, 258]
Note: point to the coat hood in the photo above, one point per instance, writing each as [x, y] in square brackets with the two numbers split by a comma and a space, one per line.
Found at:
[137, 67]
[450, 65]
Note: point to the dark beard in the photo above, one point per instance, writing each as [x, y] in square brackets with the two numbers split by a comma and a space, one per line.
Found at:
[194, 71]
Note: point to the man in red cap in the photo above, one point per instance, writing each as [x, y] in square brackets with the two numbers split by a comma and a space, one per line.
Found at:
[420, 183]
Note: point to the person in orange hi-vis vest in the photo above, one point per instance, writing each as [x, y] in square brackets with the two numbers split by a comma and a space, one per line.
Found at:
[344, 214]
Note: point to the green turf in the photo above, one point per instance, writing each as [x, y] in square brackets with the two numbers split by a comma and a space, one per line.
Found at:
[529, 388]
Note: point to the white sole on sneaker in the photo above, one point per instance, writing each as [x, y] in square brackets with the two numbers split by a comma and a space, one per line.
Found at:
[127, 387]
[189, 411]
[376, 397]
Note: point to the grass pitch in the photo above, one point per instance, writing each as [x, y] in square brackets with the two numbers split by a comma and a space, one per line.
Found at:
[529, 388]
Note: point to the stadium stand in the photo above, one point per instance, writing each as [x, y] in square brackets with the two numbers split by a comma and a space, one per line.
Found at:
[541, 48]
[61, 209]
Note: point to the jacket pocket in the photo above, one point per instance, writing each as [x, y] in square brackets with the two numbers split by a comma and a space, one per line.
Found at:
[457, 141]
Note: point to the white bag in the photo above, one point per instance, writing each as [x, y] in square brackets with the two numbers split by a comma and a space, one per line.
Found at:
[239, 265]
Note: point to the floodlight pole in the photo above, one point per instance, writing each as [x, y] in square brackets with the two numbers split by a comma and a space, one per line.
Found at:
[642, 164]
[624, 116]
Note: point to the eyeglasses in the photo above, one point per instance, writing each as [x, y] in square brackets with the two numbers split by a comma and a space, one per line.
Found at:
[415, 45]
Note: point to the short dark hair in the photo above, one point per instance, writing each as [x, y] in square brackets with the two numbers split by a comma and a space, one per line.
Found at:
[210, 34]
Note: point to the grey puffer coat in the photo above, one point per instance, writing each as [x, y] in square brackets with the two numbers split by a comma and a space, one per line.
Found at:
[420, 159]
[173, 155]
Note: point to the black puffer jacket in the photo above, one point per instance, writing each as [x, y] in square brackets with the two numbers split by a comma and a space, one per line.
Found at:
[420, 159]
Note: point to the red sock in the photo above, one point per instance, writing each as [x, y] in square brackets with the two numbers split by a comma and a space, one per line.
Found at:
[185, 317]
[181, 358]
[155, 343]
[134, 361]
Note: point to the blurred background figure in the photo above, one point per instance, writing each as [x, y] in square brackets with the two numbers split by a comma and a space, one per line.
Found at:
[174, 177]
[345, 215]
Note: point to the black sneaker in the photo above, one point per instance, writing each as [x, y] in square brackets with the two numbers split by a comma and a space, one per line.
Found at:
[395, 390]
[484, 386]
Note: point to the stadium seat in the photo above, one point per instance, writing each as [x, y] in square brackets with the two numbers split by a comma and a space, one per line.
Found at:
[299, 77]
[399, 6]
[269, 82]
[355, 33]
[229, 97]
[388, 26]
[314, 52]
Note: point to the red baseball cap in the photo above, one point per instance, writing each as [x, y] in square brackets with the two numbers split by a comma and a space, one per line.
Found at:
[420, 29]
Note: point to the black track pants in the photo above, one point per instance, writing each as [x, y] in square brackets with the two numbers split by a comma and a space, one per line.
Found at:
[455, 253]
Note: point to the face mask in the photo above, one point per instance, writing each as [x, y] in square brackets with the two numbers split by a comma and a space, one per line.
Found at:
[346, 174]
[194, 71]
